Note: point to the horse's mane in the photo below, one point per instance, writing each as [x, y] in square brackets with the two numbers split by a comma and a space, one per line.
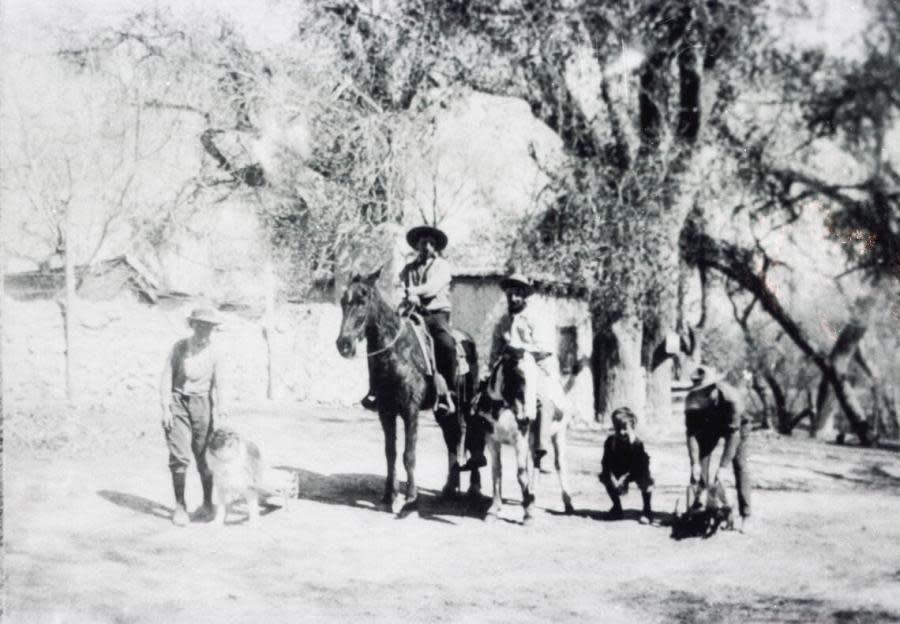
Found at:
[385, 323]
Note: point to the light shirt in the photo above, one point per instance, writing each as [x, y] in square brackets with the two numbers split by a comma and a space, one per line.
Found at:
[193, 370]
[522, 330]
[430, 281]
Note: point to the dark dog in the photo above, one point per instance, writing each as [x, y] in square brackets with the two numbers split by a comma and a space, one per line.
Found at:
[703, 519]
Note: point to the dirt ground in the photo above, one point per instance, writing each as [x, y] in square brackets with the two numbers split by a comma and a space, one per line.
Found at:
[88, 537]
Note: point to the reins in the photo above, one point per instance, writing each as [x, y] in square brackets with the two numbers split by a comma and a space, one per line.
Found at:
[390, 345]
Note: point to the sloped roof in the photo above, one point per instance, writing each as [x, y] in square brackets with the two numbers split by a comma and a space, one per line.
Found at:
[103, 280]
[543, 283]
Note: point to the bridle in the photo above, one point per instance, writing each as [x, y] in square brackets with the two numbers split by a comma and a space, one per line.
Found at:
[390, 345]
[403, 323]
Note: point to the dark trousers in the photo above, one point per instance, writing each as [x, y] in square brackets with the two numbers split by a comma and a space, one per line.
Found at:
[643, 481]
[707, 442]
[189, 433]
[438, 324]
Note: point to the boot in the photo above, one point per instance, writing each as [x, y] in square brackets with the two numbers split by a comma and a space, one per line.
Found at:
[476, 428]
[207, 511]
[476, 461]
[368, 401]
[444, 403]
[647, 512]
[615, 512]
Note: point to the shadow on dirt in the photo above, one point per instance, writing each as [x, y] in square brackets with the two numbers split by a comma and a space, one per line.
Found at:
[364, 491]
[679, 606]
[660, 519]
[137, 503]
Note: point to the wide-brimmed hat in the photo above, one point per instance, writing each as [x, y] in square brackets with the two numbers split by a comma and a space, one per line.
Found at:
[416, 233]
[204, 315]
[517, 280]
[703, 376]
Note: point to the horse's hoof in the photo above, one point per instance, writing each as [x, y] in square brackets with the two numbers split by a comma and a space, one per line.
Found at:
[528, 520]
[490, 517]
[567, 504]
[405, 509]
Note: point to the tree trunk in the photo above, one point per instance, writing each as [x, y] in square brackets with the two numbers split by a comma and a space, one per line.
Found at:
[627, 384]
[737, 264]
[69, 307]
[764, 401]
[268, 323]
[841, 356]
[603, 359]
[783, 417]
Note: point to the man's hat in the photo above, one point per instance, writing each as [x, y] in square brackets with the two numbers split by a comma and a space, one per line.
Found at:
[517, 280]
[204, 315]
[706, 376]
[416, 233]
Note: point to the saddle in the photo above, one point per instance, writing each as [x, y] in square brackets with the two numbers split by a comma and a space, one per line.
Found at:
[426, 343]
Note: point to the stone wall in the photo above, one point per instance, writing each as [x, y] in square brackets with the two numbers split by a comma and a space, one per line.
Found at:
[119, 348]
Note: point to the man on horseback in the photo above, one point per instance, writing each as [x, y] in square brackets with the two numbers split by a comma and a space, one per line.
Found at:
[427, 288]
[520, 330]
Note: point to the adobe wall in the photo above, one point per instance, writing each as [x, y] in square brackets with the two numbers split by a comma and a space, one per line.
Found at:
[120, 346]
[479, 304]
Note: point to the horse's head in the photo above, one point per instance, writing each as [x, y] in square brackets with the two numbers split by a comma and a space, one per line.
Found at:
[355, 305]
[513, 387]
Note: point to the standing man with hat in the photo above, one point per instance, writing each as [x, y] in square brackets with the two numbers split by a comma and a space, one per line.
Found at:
[426, 282]
[714, 411]
[521, 330]
[193, 393]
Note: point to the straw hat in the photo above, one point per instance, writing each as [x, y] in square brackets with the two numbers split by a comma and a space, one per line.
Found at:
[415, 234]
[204, 315]
[517, 280]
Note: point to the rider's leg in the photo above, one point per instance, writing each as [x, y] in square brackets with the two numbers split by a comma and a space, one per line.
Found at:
[438, 324]
[553, 402]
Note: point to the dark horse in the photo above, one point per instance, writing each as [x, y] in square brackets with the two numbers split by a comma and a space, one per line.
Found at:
[399, 378]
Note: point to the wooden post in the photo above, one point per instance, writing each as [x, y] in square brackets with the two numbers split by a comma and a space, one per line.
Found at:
[69, 308]
[268, 322]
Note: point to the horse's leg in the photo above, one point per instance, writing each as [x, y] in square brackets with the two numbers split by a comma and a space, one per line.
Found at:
[559, 456]
[411, 426]
[525, 471]
[496, 479]
[450, 428]
[389, 426]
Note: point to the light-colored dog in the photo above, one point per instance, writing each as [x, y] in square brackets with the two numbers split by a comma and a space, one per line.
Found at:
[237, 471]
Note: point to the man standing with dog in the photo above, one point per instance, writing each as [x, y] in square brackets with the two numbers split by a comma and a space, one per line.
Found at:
[714, 411]
[192, 395]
